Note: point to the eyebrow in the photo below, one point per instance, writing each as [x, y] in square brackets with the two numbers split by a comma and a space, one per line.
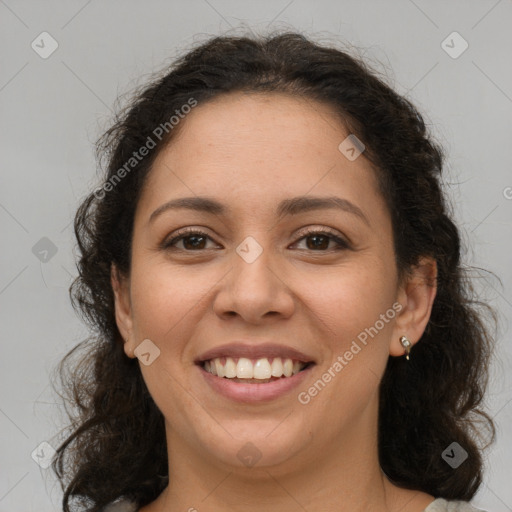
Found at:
[293, 206]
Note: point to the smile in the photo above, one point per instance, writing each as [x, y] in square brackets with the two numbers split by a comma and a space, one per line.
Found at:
[262, 370]
[255, 386]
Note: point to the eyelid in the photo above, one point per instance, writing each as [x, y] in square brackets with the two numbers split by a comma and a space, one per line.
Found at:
[342, 241]
[321, 229]
[181, 233]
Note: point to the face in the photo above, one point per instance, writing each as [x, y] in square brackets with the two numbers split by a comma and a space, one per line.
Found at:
[264, 274]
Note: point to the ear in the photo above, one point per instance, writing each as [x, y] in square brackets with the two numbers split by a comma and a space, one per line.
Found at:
[416, 295]
[123, 309]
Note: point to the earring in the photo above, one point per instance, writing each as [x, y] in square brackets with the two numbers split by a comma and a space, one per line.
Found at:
[407, 346]
[131, 355]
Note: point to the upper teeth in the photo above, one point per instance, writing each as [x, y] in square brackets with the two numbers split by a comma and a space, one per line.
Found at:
[258, 369]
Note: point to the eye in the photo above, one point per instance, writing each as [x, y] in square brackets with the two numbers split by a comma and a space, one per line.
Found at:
[192, 239]
[195, 240]
[320, 240]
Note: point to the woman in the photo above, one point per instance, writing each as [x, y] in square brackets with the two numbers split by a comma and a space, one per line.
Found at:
[281, 318]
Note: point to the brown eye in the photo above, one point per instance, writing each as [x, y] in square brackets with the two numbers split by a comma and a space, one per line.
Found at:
[319, 241]
[192, 241]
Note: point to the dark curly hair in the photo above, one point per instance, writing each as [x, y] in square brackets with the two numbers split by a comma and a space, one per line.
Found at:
[425, 403]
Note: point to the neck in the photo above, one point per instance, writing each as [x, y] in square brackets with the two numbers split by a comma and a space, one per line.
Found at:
[344, 476]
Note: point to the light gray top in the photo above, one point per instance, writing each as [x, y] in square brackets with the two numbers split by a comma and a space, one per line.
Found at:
[442, 505]
[438, 505]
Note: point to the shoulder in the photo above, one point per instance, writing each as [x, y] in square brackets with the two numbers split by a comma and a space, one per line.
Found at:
[121, 505]
[442, 505]
[438, 505]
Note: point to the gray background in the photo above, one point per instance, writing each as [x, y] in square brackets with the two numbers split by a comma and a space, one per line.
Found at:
[53, 109]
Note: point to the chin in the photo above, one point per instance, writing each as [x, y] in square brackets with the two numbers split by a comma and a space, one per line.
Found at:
[256, 443]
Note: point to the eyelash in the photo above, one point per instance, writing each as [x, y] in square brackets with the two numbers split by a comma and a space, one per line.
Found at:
[189, 232]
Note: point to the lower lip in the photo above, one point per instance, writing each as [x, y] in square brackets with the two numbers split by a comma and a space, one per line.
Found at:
[253, 393]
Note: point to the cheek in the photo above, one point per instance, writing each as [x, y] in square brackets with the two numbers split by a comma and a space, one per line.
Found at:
[350, 297]
[166, 301]
[163, 296]
[354, 317]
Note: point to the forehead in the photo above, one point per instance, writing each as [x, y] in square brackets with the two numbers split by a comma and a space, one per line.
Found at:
[250, 147]
[251, 121]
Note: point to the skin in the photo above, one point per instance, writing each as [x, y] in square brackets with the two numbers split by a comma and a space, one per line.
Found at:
[250, 152]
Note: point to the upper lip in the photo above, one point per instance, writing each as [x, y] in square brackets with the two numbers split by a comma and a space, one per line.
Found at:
[254, 351]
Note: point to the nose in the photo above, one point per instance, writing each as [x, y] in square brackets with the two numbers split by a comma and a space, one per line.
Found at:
[255, 291]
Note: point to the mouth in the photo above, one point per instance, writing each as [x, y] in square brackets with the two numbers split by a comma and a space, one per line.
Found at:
[254, 371]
